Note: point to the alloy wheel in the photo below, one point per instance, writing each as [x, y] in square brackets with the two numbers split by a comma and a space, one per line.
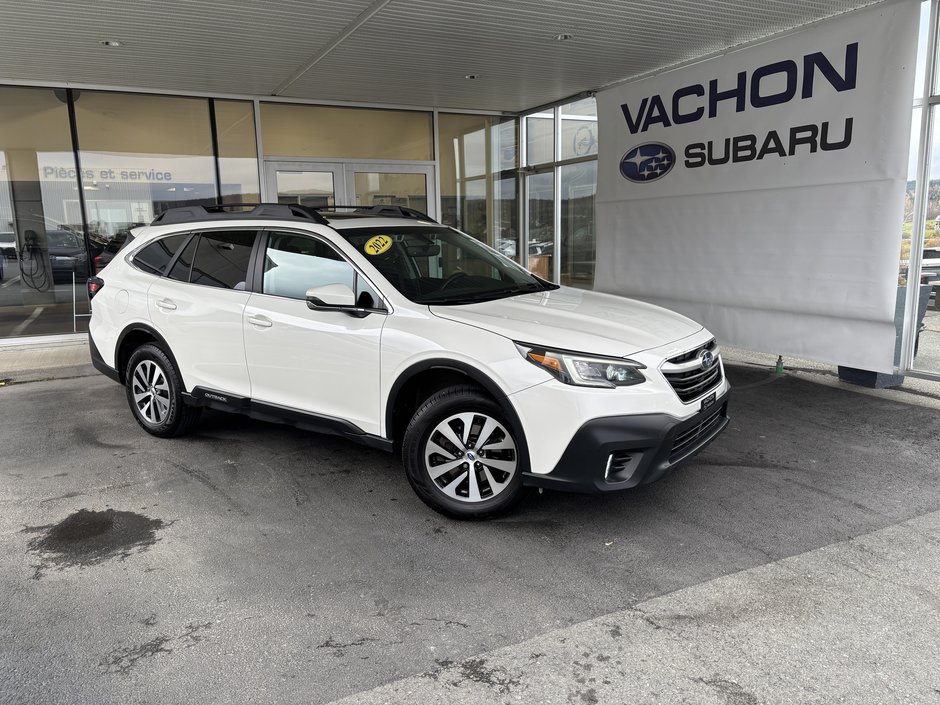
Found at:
[470, 457]
[151, 392]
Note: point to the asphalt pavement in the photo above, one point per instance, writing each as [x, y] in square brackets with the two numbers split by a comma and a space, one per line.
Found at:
[794, 561]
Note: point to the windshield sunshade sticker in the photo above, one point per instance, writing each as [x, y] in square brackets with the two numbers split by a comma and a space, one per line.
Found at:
[377, 245]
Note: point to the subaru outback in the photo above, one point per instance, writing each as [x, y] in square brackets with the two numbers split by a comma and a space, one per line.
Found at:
[383, 326]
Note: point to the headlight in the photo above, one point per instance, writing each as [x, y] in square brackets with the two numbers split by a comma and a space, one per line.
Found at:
[584, 370]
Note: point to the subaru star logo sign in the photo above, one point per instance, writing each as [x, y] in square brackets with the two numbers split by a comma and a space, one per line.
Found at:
[647, 162]
[708, 359]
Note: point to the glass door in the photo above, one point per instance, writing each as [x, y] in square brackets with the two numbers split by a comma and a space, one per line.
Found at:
[313, 184]
[317, 184]
[407, 185]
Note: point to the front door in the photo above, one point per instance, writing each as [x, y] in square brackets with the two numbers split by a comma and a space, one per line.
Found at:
[321, 362]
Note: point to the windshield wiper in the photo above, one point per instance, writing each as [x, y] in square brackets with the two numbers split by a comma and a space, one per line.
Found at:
[482, 296]
[479, 298]
[529, 288]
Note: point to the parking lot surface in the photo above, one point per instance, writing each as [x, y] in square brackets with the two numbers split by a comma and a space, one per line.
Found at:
[793, 561]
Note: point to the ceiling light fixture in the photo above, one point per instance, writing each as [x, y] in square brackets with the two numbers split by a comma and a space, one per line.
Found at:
[110, 43]
[563, 37]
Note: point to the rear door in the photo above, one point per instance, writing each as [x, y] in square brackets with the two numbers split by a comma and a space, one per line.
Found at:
[198, 307]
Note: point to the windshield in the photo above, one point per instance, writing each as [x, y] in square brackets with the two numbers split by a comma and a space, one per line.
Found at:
[61, 238]
[442, 266]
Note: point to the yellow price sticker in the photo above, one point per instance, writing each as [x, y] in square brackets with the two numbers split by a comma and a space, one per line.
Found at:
[377, 245]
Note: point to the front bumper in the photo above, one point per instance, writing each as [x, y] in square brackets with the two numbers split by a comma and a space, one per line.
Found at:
[619, 452]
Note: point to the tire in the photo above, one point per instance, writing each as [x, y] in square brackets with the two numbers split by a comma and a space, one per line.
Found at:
[447, 430]
[155, 394]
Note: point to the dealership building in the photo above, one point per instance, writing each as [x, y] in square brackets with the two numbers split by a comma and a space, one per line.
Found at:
[771, 170]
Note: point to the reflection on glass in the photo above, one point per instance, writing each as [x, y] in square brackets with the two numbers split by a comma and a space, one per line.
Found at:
[578, 187]
[927, 341]
[306, 188]
[540, 138]
[238, 153]
[42, 245]
[505, 144]
[385, 189]
[579, 129]
[141, 154]
[463, 172]
[507, 218]
[345, 133]
[541, 189]
[477, 154]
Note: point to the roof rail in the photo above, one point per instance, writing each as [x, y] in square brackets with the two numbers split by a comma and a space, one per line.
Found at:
[382, 210]
[237, 211]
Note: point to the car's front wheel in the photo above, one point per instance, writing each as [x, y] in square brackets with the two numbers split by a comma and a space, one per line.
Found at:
[462, 456]
[155, 393]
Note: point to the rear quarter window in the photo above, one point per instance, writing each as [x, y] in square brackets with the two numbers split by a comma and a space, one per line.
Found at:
[155, 257]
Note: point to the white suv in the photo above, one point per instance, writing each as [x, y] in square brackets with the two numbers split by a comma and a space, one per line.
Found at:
[392, 330]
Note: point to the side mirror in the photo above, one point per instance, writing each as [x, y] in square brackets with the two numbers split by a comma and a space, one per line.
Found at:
[339, 297]
[331, 296]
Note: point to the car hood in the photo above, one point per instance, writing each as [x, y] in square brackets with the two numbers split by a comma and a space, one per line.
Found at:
[573, 319]
[65, 251]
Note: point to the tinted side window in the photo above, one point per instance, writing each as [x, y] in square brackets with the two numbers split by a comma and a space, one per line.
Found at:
[295, 263]
[155, 257]
[221, 259]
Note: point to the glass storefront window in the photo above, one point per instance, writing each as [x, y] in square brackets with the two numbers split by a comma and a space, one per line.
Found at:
[540, 138]
[141, 154]
[924, 241]
[477, 170]
[463, 170]
[238, 151]
[505, 136]
[927, 316]
[578, 188]
[42, 244]
[541, 212]
[578, 129]
[507, 218]
[345, 133]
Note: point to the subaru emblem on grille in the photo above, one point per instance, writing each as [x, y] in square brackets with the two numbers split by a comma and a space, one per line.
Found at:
[708, 359]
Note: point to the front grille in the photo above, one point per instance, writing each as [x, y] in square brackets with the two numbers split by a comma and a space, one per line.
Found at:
[686, 376]
[688, 439]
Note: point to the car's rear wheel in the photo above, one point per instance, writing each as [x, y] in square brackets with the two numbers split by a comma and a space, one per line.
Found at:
[463, 456]
[155, 394]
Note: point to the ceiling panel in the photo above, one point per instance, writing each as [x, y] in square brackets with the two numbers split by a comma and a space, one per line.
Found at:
[228, 46]
[410, 52]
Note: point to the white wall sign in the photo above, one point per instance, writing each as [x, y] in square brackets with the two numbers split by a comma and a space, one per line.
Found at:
[761, 192]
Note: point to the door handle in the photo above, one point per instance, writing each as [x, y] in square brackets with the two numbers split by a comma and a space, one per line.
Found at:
[260, 321]
[166, 305]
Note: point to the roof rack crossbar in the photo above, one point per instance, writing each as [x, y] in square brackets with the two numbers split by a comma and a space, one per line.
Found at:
[233, 211]
[387, 210]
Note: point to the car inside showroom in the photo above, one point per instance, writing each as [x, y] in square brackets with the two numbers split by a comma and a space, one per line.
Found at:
[438, 351]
